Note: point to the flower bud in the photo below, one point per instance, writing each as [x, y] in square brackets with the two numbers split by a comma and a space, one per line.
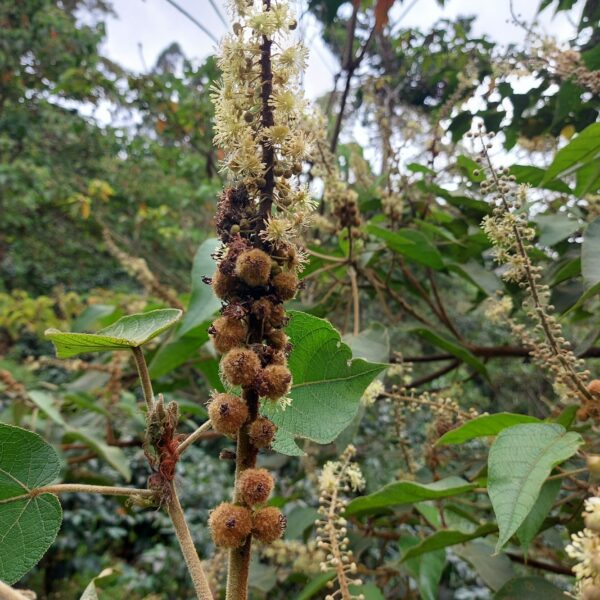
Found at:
[255, 486]
[590, 592]
[277, 338]
[268, 524]
[593, 466]
[228, 333]
[262, 432]
[240, 366]
[227, 413]
[253, 267]
[285, 285]
[230, 525]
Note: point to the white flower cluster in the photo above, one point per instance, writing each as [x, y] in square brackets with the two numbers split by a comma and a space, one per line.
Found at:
[338, 477]
[259, 111]
[585, 549]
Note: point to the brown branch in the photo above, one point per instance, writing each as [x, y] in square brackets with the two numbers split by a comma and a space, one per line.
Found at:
[538, 564]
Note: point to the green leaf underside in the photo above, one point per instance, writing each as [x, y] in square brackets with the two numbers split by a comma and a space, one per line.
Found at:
[327, 385]
[408, 492]
[203, 303]
[28, 526]
[484, 426]
[590, 267]
[519, 462]
[131, 331]
[448, 537]
[530, 588]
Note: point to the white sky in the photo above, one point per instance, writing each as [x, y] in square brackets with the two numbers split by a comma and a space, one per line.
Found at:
[155, 24]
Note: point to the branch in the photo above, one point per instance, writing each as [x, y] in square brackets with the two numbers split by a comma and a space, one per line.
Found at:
[192, 560]
[8, 593]
[193, 437]
[81, 488]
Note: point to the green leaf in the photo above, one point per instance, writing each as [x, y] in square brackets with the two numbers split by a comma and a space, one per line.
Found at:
[426, 570]
[203, 303]
[299, 520]
[555, 228]
[519, 462]
[410, 243]
[535, 175]
[580, 151]
[590, 254]
[176, 351]
[28, 524]
[449, 346]
[408, 492]
[316, 584]
[448, 537]
[532, 588]
[494, 569]
[128, 332]
[327, 385]
[112, 454]
[484, 426]
[534, 520]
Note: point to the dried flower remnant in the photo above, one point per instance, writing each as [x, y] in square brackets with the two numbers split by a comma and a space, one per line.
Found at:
[338, 478]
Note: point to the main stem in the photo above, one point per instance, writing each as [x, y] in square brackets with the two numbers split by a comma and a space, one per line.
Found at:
[8, 593]
[188, 549]
[239, 558]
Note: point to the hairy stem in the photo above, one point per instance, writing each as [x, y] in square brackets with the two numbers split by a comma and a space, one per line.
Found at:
[192, 560]
[239, 558]
[142, 368]
[8, 593]
[81, 488]
[193, 437]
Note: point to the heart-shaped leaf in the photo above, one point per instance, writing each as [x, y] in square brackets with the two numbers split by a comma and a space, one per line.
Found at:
[327, 386]
[28, 523]
[131, 331]
[519, 462]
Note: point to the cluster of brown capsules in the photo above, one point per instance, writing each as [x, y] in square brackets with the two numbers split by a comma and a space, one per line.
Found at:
[253, 279]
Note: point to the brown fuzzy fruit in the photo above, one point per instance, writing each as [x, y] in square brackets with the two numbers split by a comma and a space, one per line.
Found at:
[255, 486]
[227, 413]
[285, 285]
[228, 333]
[230, 525]
[224, 286]
[253, 267]
[268, 524]
[262, 309]
[274, 382]
[277, 338]
[594, 387]
[277, 317]
[240, 366]
[262, 432]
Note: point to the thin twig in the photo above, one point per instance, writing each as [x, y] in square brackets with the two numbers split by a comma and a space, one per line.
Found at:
[81, 488]
[355, 300]
[193, 437]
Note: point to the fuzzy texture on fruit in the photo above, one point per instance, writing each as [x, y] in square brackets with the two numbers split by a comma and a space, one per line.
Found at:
[594, 387]
[224, 286]
[278, 339]
[255, 486]
[268, 524]
[228, 333]
[227, 413]
[285, 285]
[262, 309]
[240, 367]
[230, 525]
[262, 432]
[277, 317]
[274, 381]
[253, 267]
